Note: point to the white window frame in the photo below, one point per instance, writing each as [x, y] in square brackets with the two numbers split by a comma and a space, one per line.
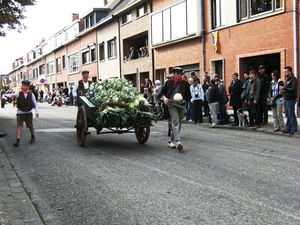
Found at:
[73, 62]
[111, 48]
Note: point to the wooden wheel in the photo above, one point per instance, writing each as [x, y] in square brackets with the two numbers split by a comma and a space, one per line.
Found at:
[81, 126]
[142, 134]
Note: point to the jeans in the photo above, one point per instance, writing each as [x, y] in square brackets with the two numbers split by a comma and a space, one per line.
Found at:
[190, 112]
[291, 121]
[255, 110]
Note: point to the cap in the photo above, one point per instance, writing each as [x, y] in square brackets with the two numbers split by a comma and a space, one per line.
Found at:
[85, 71]
[177, 69]
[27, 82]
[261, 67]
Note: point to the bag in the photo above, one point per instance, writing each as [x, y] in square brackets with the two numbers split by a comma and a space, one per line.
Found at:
[271, 103]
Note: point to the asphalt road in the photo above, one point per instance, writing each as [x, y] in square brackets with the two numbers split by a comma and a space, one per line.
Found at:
[223, 176]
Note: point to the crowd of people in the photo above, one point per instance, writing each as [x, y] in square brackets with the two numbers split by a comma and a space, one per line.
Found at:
[257, 94]
[135, 54]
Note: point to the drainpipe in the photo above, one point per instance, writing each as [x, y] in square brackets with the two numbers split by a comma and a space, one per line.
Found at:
[203, 36]
[296, 34]
[152, 50]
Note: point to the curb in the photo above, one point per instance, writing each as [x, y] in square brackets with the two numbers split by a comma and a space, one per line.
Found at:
[15, 205]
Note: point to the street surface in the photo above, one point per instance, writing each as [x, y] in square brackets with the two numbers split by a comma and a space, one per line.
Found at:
[223, 176]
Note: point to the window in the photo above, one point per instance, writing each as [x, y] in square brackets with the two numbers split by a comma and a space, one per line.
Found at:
[249, 8]
[85, 57]
[217, 66]
[73, 63]
[42, 69]
[112, 48]
[50, 67]
[218, 14]
[64, 62]
[101, 52]
[141, 10]
[174, 22]
[58, 65]
[29, 74]
[35, 73]
[93, 54]
[126, 18]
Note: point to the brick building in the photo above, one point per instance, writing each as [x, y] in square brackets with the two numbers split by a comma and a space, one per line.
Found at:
[247, 33]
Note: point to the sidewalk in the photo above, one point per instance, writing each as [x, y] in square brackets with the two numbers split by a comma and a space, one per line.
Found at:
[268, 129]
[15, 206]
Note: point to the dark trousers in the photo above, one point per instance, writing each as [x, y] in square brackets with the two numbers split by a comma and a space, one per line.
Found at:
[251, 116]
[255, 110]
[264, 107]
[235, 109]
[222, 102]
[198, 111]
[206, 108]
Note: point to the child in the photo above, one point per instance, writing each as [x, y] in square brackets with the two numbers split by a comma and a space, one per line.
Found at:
[26, 101]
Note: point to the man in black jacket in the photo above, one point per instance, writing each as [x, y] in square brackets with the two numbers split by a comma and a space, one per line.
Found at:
[290, 96]
[213, 97]
[265, 81]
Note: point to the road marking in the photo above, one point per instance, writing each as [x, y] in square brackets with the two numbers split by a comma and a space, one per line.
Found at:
[55, 130]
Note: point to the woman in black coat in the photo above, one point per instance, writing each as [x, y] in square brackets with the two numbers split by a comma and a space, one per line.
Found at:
[235, 91]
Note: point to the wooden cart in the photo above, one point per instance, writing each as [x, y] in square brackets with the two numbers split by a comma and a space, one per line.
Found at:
[86, 117]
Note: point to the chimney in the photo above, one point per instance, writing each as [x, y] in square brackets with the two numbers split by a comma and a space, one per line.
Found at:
[75, 16]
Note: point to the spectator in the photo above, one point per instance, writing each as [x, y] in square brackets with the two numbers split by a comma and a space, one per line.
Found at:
[193, 75]
[197, 98]
[235, 91]
[276, 96]
[253, 97]
[206, 76]
[71, 96]
[190, 108]
[244, 97]
[3, 100]
[264, 93]
[223, 118]
[290, 96]
[213, 97]
[133, 53]
[205, 86]
[42, 95]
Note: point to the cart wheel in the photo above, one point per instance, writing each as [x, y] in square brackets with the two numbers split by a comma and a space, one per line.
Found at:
[81, 126]
[142, 134]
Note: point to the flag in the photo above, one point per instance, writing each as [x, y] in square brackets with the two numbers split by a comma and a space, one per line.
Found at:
[215, 37]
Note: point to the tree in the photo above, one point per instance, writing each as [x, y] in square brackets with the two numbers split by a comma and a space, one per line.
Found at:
[11, 15]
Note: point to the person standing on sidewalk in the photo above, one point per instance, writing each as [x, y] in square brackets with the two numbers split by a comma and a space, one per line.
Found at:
[213, 97]
[253, 97]
[290, 96]
[235, 91]
[265, 81]
[197, 98]
[244, 97]
[26, 102]
[176, 85]
[276, 96]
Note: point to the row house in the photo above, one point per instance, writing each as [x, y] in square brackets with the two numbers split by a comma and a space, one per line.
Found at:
[216, 36]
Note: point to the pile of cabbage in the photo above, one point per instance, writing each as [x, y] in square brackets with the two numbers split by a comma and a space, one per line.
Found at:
[119, 104]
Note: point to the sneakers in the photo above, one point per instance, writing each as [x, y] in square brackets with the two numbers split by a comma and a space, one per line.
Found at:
[172, 145]
[213, 125]
[176, 145]
[17, 144]
[294, 132]
[179, 146]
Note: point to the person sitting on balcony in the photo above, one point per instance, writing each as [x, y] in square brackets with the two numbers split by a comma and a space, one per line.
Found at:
[133, 53]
